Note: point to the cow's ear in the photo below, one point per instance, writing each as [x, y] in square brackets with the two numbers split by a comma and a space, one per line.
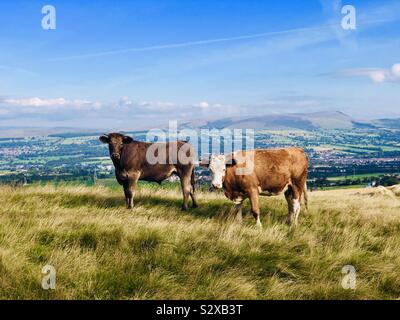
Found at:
[104, 138]
[230, 161]
[127, 139]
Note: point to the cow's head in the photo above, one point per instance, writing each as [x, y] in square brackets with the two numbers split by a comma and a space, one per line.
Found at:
[115, 142]
[217, 165]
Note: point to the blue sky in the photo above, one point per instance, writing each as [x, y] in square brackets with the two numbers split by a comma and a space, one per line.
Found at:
[134, 64]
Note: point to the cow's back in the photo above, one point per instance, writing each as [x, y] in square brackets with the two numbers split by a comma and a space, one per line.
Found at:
[273, 168]
[135, 157]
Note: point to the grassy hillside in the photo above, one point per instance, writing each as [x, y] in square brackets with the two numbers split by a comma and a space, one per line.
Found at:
[103, 251]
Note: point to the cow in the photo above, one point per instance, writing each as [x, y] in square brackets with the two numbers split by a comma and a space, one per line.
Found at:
[131, 162]
[265, 172]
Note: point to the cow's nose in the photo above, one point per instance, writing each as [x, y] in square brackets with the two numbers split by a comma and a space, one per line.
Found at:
[217, 185]
[115, 156]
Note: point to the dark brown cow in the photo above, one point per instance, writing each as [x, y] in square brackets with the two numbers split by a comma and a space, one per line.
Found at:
[131, 162]
[249, 174]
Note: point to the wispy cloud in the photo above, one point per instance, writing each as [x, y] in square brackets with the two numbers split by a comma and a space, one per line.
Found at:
[366, 17]
[190, 43]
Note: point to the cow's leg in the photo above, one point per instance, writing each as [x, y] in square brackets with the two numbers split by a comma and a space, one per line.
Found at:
[296, 203]
[289, 199]
[127, 195]
[296, 208]
[194, 199]
[186, 190]
[193, 190]
[238, 210]
[129, 188]
[255, 209]
[293, 195]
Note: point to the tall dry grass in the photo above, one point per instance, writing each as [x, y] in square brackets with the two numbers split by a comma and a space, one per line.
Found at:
[102, 251]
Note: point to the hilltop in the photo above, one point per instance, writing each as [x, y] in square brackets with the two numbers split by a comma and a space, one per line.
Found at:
[299, 121]
[102, 251]
[328, 120]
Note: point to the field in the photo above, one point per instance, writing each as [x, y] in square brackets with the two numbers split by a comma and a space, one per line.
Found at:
[357, 176]
[100, 250]
[337, 155]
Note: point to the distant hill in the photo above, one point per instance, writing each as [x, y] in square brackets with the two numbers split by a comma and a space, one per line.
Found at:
[284, 121]
[299, 121]
[387, 123]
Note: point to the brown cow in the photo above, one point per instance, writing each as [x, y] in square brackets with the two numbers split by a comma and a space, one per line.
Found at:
[131, 162]
[249, 174]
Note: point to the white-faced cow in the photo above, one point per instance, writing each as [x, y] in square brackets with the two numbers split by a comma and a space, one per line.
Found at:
[249, 174]
[134, 160]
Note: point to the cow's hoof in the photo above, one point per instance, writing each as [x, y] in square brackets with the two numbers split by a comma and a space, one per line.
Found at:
[194, 206]
[184, 209]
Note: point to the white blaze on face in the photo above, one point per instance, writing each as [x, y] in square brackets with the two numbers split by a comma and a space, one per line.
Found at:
[217, 169]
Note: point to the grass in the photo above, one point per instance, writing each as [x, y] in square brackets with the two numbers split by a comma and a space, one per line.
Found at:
[100, 250]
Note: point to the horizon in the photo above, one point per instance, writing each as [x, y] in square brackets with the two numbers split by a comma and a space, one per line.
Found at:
[194, 123]
[142, 63]
[238, 117]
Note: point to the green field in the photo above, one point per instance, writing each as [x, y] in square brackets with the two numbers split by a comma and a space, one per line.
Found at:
[101, 250]
[358, 176]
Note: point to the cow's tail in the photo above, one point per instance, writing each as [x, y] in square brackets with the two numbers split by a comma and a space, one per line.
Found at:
[305, 195]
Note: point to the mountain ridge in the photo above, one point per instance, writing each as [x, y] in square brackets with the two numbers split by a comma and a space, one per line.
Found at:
[282, 121]
[295, 121]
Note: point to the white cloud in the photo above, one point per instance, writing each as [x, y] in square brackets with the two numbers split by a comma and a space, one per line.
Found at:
[124, 108]
[49, 108]
[125, 101]
[377, 75]
[51, 103]
[396, 70]
[204, 105]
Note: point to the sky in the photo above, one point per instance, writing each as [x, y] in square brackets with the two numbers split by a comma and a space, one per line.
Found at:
[135, 64]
